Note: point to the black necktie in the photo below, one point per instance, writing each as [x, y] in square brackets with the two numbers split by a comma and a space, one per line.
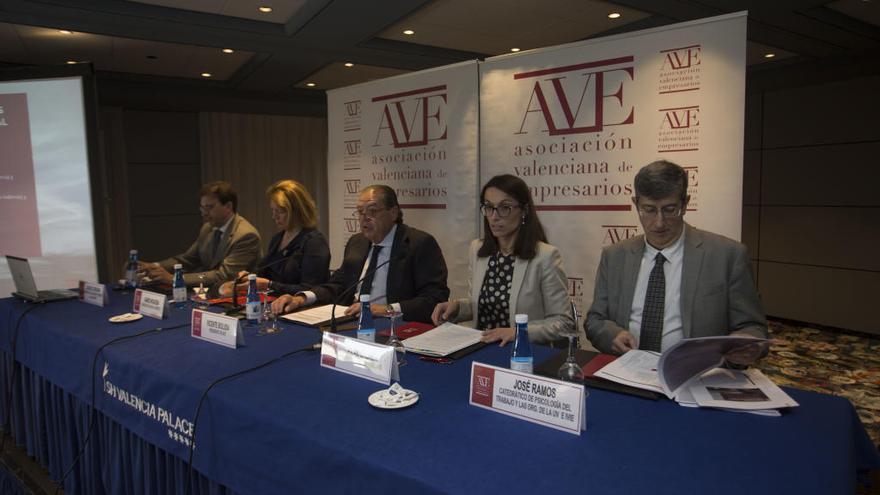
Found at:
[367, 284]
[652, 313]
[215, 243]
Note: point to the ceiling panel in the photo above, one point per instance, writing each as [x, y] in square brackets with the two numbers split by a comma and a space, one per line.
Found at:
[282, 10]
[44, 46]
[495, 26]
[863, 10]
[336, 75]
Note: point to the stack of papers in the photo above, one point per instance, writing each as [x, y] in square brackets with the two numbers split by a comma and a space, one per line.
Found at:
[443, 340]
[319, 315]
[689, 373]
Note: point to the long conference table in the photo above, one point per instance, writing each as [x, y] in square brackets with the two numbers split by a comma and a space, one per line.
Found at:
[295, 427]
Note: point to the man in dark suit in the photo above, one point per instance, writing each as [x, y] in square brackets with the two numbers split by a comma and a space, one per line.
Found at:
[674, 281]
[227, 243]
[402, 267]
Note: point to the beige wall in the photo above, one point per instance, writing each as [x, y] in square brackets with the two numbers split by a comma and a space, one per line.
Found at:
[811, 210]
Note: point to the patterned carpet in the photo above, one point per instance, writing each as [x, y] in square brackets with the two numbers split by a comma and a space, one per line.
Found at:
[830, 361]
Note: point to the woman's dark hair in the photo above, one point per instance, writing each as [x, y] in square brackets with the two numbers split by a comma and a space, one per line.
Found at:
[530, 231]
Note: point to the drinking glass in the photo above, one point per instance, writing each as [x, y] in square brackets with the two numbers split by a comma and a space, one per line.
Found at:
[393, 339]
[267, 315]
[570, 370]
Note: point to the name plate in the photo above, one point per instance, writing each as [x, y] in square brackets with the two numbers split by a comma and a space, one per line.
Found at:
[216, 328]
[544, 401]
[361, 358]
[93, 293]
[149, 303]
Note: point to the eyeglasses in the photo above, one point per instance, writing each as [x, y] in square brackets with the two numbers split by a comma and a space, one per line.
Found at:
[207, 207]
[668, 211]
[368, 212]
[501, 210]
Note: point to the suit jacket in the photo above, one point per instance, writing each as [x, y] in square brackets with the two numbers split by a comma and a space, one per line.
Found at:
[239, 249]
[416, 274]
[718, 293]
[304, 262]
[538, 289]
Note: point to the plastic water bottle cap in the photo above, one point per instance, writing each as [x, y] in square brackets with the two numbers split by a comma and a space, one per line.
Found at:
[365, 298]
[521, 318]
[252, 276]
[178, 266]
[133, 251]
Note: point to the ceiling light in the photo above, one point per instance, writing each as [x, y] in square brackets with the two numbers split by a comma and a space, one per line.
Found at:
[71, 62]
[409, 32]
[206, 74]
[514, 50]
[769, 55]
[614, 15]
[228, 50]
[64, 31]
[311, 85]
[349, 64]
[265, 9]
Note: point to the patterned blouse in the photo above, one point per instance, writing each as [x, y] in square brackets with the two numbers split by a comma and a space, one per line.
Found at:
[493, 303]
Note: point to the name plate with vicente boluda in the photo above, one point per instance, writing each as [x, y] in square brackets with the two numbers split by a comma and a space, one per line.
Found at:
[148, 303]
[544, 401]
[216, 328]
[361, 358]
[93, 293]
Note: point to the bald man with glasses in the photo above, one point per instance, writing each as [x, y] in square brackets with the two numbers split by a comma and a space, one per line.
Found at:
[675, 281]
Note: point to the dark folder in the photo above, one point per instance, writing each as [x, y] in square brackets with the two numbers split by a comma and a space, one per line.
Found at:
[591, 362]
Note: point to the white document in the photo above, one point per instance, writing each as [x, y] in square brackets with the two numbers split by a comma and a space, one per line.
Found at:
[636, 368]
[443, 340]
[317, 316]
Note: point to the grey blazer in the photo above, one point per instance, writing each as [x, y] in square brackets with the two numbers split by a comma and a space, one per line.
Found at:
[718, 293]
[239, 250]
[538, 289]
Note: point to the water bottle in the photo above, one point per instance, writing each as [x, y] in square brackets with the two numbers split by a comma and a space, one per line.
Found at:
[131, 269]
[521, 359]
[252, 304]
[178, 287]
[366, 328]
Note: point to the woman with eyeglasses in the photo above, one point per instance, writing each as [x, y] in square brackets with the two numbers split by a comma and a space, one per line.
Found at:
[513, 271]
[298, 255]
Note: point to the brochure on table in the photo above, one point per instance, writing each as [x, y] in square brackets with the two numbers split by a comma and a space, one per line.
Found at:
[443, 340]
[317, 316]
[689, 372]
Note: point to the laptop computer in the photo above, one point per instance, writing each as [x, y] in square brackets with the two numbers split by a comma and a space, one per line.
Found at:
[26, 287]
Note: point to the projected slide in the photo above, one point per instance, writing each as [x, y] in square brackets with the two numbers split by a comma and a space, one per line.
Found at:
[45, 201]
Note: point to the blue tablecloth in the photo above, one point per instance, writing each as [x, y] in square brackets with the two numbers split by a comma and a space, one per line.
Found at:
[296, 427]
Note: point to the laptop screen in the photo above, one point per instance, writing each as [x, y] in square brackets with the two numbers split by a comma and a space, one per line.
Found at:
[22, 276]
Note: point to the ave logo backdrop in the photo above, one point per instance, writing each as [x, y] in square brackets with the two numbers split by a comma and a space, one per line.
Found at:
[577, 121]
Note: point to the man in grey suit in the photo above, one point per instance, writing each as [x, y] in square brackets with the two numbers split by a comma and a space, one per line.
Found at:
[227, 243]
[674, 281]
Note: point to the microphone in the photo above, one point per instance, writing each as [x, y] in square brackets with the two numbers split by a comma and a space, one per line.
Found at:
[351, 287]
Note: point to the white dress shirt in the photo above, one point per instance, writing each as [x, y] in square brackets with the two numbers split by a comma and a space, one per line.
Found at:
[672, 325]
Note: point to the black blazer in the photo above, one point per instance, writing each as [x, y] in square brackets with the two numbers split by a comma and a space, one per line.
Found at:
[303, 263]
[416, 274]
